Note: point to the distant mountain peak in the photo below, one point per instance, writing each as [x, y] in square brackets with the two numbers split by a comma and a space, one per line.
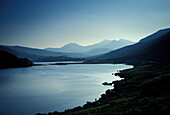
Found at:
[106, 41]
[72, 45]
[103, 46]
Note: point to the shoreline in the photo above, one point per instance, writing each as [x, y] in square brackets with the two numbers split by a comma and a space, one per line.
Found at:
[88, 104]
[138, 93]
[64, 63]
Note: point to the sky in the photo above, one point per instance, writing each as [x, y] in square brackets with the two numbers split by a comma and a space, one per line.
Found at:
[53, 23]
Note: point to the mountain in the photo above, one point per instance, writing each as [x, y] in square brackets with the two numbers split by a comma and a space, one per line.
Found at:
[71, 47]
[152, 48]
[155, 35]
[33, 53]
[99, 48]
[8, 60]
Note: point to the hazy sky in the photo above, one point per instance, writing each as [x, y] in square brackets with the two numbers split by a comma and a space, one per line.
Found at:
[53, 23]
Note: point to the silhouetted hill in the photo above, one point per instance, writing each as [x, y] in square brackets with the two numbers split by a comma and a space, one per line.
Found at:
[155, 35]
[150, 49]
[8, 60]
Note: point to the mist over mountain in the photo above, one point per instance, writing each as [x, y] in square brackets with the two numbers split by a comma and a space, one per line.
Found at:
[98, 48]
[34, 54]
[152, 48]
[71, 50]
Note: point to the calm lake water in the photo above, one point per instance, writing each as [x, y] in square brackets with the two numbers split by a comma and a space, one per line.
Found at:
[26, 91]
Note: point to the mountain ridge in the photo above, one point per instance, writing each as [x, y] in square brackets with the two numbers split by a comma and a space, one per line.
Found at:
[105, 44]
[155, 35]
[150, 48]
[34, 53]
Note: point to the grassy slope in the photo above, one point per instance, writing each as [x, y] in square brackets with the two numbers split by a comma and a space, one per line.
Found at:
[145, 90]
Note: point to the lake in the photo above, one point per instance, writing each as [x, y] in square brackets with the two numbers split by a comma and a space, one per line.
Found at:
[30, 90]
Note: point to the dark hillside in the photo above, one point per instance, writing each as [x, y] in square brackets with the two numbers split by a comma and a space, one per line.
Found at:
[8, 60]
[153, 50]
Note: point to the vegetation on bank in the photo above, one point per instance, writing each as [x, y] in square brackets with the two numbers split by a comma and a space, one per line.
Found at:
[10, 61]
[144, 90]
[59, 58]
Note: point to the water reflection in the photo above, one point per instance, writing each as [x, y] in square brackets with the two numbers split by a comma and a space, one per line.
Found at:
[52, 87]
